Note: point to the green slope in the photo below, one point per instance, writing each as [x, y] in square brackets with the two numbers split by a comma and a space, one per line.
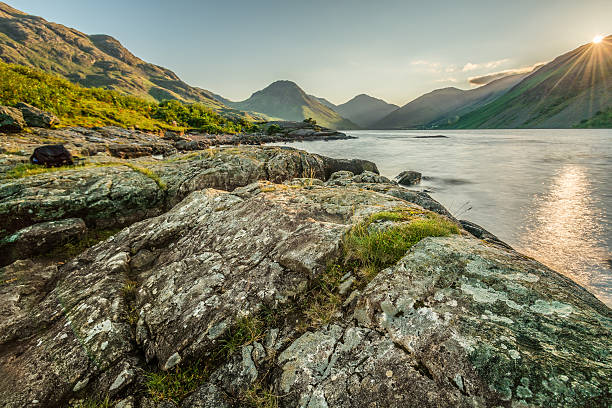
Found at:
[565, 92]
[444, 106]
[93, 61]
[79, 106]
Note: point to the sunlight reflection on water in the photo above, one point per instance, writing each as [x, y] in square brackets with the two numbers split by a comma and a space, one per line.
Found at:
[562, 225]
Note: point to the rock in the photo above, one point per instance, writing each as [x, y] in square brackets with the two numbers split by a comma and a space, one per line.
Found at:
[11, 120]
[355, 166]
[479, 232]
[220, 256]
[431, 137]
[408, 178]
[39, 238]
[35, 117]
[118, 195]
[458, 323]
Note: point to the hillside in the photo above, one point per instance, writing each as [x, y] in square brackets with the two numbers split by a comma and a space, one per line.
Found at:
[79, 106]
[574, 89]
[365, 110]
[446, 105]
[286, 100]
[89, 60]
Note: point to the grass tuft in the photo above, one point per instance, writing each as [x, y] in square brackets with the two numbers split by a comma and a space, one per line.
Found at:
[177, 383]
[259, 397]
[245, 331]
[149, 173]
[93, 403]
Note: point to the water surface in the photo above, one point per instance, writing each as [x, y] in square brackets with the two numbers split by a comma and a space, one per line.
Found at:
[548, 193]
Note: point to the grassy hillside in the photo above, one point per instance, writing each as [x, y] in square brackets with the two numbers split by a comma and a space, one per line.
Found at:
[445, 106]
[566, 92]
[286, 100]
[79, 106]
[89, 60]
[602, 120]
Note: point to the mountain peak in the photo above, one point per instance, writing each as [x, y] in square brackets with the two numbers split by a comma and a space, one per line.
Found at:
[7, 11]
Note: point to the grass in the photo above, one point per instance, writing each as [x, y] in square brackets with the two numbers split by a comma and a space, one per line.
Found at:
[245, 331]
[93, 403]
[148, 173]
[380, 248]
[177, 383]
[89, 107]
[367, 249]
[27, 170]
[601, 120]
[259, 397]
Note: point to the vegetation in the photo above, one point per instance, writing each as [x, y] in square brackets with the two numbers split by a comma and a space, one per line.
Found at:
[259, 397]
[602, 119]
[78, 106]
[93, 403]
[177, 383]
[273, 129]
[368, 248]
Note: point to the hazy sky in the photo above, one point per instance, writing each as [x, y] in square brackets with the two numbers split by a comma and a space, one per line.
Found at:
[392, 49]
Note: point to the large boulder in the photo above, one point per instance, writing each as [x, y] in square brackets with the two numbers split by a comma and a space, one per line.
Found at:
[35, 117]
[11, 120]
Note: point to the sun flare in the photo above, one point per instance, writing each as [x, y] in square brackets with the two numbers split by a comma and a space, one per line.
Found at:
[597, 39]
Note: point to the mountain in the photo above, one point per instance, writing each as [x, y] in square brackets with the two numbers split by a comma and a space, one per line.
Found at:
[445, 105]
[324, 102]
[89, 60]
[286, 100]
[365, 110]
[574, 89]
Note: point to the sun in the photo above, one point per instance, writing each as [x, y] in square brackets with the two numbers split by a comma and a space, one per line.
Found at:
[597, 39]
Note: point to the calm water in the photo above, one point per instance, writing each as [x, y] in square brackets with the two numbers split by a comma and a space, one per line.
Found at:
[548, 193]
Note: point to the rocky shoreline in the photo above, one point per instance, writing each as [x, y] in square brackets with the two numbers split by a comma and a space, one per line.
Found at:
[255, 276]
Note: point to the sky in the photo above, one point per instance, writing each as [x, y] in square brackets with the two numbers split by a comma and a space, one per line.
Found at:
[396, 50]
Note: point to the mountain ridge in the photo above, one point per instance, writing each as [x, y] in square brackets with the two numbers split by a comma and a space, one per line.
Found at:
[284, 99]
[444, 105]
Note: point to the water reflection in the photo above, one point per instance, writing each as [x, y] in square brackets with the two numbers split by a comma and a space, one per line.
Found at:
[562, 229]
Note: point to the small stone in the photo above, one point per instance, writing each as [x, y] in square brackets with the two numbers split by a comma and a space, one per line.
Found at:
[389, 373]
[173, 360]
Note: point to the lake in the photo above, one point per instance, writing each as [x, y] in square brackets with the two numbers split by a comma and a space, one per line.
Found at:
[548, 193]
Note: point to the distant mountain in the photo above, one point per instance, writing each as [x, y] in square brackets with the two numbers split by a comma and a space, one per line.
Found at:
[574, 89]
[286, 100]
[365, 110]
[446, 105]
[324, 102]
[88, 60]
